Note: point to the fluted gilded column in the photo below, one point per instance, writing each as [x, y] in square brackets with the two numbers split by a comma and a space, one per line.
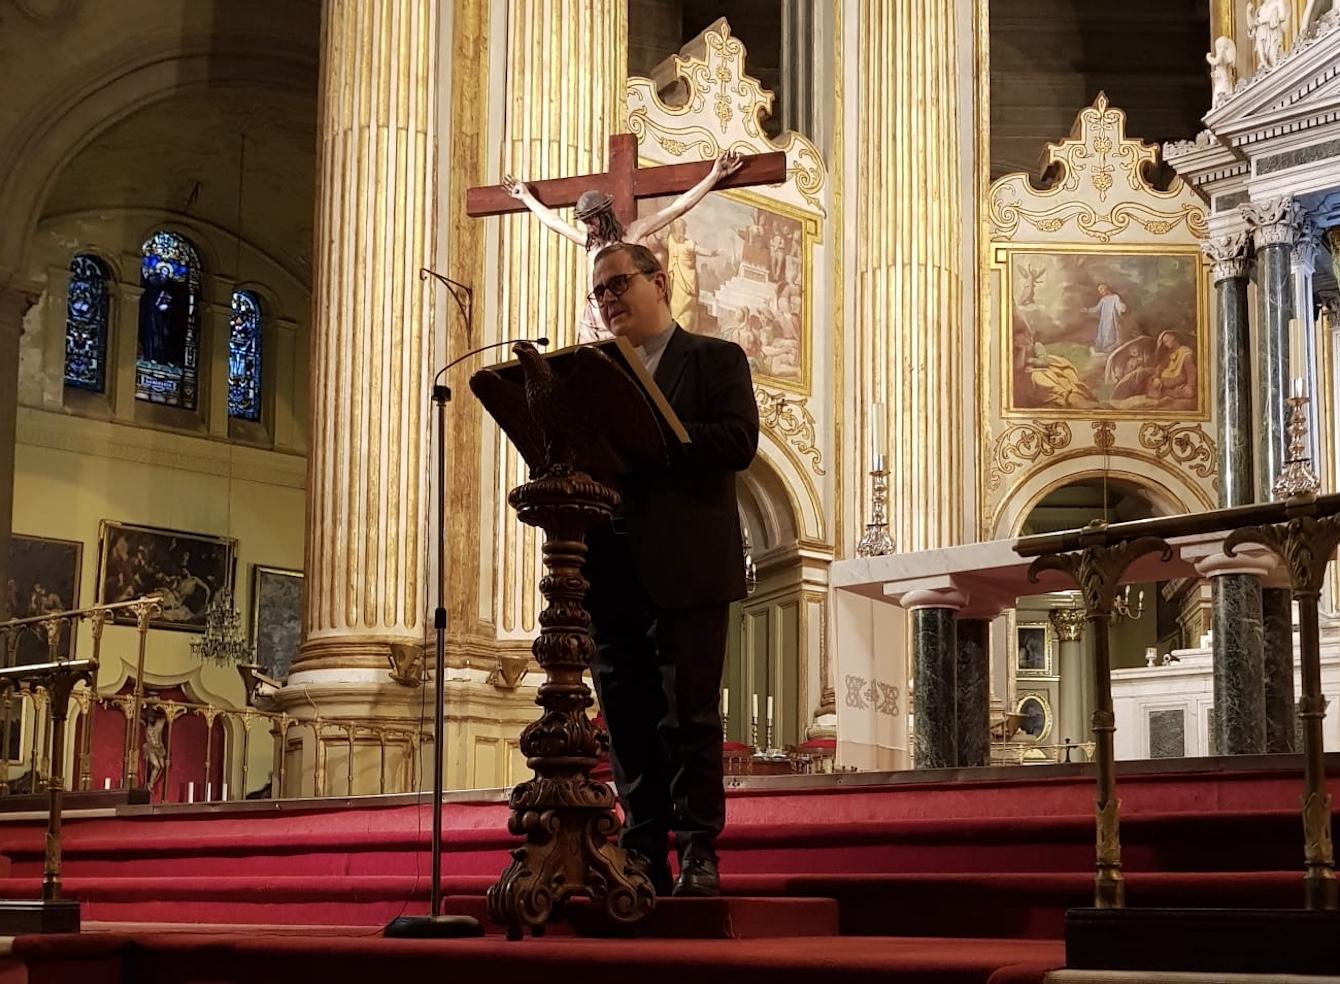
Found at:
[14, 304]
[1274, 225]
[367, 515]
[565, 94]
[1076, 707]
[908, 256]
[934, 676]
[1233, 405]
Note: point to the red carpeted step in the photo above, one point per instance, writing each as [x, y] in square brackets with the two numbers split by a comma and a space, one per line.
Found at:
[160, 958]
[997, 905]
[1242, 840]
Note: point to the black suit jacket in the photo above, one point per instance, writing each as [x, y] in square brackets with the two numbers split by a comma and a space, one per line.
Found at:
[682, 521]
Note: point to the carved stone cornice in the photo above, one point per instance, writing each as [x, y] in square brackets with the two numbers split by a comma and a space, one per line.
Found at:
[1228, 254]
[1274, 222]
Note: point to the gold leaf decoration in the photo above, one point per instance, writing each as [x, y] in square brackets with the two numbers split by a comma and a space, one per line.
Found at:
[1026, 443]
[1104, 435]
[1186, 444]
[792, 422]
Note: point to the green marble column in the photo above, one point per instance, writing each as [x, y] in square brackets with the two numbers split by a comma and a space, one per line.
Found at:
[1278, 690]
[1233, 397]
[973, 691]
[935, 655]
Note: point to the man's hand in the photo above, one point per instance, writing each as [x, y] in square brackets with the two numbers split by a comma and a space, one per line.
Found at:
[515, 188]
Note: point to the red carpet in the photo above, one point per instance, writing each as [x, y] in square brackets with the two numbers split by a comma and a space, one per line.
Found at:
[182, 958]
[965, 879]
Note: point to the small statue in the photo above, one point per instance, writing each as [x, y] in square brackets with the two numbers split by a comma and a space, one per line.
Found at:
[155, 751]
[1223, 62]
[1266, 24]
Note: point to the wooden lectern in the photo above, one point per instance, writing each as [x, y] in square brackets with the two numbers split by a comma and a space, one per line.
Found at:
[581, 417]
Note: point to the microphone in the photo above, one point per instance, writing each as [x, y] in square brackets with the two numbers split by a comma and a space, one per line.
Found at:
[442, 392]
[542, 340]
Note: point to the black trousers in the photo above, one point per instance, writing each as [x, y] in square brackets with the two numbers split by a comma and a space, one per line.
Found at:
[658, 676]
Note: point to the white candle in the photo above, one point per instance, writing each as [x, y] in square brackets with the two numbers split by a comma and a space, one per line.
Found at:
[107, 783]
[1297, 352]
[725, 696]
[190, 792]
[1299, 389]
[878, 436]
[209, 791]
[225, 792]
[755, 703]
[769, 709]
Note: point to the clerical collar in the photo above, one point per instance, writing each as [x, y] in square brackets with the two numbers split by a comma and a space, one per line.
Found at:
[655, 345]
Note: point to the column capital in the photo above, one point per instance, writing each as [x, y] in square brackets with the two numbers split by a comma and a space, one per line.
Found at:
[951, 598]
[1068, 623]
[1254, 561]
[1307, 246]
[1228, 254]
[1273, 222]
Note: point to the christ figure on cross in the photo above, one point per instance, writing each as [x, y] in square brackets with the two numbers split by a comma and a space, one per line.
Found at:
[601, 226]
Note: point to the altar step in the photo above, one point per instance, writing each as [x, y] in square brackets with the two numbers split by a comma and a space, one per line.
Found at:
[1013, 905]
[332, 846]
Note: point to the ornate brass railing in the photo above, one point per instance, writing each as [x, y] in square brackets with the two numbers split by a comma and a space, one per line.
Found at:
[1303, 532]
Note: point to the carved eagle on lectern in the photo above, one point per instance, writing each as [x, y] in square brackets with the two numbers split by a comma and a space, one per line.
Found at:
[575, 410]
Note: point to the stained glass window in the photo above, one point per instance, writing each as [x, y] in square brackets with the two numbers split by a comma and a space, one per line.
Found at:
[167, 368]
[86, 324]
[244, 357]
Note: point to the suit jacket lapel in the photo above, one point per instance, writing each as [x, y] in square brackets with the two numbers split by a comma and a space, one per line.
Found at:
[672, 362]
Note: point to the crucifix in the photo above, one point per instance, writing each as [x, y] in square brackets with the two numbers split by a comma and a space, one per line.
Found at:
[607, 203]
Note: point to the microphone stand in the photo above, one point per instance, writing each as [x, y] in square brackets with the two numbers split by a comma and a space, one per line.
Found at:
[435, 925]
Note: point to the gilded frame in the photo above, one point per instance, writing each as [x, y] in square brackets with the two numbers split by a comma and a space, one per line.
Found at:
[1048, 717]
[1003, 258]
[259, 573]
[811, 226]
[183, 611]
[1045, 635]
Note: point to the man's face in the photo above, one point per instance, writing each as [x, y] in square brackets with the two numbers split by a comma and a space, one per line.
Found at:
[640, 311]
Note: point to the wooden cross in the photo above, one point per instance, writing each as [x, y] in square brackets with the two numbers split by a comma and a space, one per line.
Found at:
[625, 182]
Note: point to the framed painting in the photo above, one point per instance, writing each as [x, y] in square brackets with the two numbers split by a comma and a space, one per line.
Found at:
[186, 569]
[276, 617]
[1034, 650]
[1110, 332]
[740, 268]
[43, 578]
[1036, 712]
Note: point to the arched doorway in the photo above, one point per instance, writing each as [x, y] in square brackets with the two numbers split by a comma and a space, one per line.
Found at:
[767, 659]
[1049, 680]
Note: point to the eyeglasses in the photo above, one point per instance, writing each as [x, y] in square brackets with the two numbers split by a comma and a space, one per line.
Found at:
[615, 286]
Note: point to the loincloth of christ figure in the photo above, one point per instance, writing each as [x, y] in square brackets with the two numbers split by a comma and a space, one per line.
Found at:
[600, 227]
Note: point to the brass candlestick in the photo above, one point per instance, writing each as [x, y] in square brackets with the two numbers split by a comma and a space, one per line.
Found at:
[1297, 477]
[876, 541]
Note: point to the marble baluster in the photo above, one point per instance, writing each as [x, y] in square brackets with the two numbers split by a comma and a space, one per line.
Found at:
[1278, 671]
[1239, 686]
[973, 691]
[1233, 403]
[1274, 227]
[934, 676]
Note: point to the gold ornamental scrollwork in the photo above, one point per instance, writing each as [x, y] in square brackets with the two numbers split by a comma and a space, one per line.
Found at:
[723, 109]
[1186, 444]
[1104, 435]
[1025, 443]
[1102, 191]
[792, 422]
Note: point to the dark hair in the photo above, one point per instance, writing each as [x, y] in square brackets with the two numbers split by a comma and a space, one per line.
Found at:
[643, 259]
[603, 227]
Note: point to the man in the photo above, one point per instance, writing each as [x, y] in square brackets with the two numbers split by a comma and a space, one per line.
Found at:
[1109, 309]
[663, 575]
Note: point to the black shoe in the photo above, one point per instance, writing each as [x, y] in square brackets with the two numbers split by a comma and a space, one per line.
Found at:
[698, 878]
[659, 871]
